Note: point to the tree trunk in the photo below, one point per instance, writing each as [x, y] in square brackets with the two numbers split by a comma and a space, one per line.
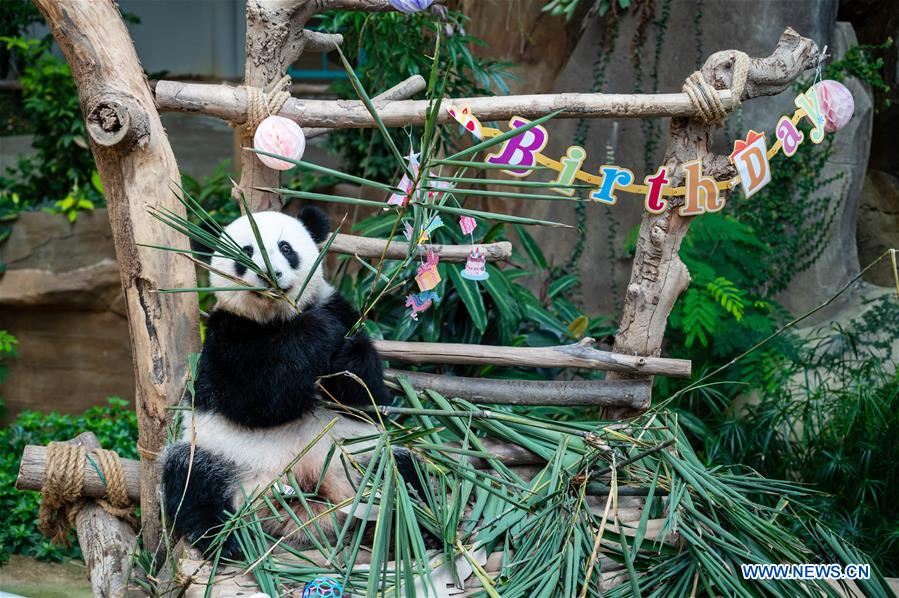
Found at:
[658, 276]
[138, 169]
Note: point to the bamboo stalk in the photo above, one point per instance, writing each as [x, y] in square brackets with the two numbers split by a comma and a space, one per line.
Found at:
[633, 393]
[579, 355]
[230, 103]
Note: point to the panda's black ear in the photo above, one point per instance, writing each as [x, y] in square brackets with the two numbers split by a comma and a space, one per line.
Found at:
[200, 246]
[316, 222]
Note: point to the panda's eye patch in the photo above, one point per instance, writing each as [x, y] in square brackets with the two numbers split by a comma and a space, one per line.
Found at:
[289, 254]
[240, 268]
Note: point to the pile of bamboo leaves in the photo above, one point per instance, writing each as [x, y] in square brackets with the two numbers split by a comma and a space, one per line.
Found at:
[614, 510]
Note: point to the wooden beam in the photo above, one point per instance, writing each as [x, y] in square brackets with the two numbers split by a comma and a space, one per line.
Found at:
[368, 248]
[230, 103]
[401, 91]
[34, 466]
[658, 276]
[138, 169]
[632, 394]
[578, 355]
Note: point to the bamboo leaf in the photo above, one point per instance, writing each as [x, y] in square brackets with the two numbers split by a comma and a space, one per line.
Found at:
[471, 296]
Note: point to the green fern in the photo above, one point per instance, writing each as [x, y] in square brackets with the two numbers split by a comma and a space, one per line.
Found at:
[728, 296]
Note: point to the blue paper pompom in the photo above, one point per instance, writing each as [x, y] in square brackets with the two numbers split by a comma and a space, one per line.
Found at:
[323, 587]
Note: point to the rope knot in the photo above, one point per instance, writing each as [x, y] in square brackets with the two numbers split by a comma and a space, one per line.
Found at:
[261, 104]
[61, 498]
[705, 98]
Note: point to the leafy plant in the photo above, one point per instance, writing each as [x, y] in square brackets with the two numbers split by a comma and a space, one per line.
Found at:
[62, 163]
[8, 350]
[115, 426]
[406, 43]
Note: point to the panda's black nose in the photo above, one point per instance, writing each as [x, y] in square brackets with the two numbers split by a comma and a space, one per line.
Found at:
[278, 274]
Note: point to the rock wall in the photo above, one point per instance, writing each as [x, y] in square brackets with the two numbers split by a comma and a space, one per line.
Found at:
[61, 297]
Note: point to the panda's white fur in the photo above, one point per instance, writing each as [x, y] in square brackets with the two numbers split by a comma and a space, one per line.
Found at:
[254, 406]
[274, 227]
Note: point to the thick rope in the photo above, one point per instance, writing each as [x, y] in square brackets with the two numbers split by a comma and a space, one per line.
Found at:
[61, 498]
[705, 98]
[261, 104]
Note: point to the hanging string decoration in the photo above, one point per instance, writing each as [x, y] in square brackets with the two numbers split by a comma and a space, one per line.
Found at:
[826, 105]
[836, 102]
[282, 136]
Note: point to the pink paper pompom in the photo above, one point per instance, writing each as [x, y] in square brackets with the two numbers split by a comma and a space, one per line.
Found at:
[836, 103]
[282, 136]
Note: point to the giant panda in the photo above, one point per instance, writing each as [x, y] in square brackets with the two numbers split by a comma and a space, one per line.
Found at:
[254, 402]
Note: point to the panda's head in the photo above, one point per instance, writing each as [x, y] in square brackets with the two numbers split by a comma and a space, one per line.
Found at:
[292, 247]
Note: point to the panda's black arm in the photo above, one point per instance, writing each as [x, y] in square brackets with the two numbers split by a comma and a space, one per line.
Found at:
[358, 355]
[261, 376]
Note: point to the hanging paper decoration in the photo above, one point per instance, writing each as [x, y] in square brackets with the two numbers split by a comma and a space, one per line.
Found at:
[467, 224]
[476, 266]
[468, 120]
[405, 184]
[836, 103]
[436, 223]
[282, 136]
[323, 587]
[827, 106]
[419, 302]
[442, 185]
[427, 276]
[410, 6]
[751, 159]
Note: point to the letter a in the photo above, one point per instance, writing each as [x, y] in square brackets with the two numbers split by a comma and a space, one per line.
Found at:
[789, 136]
[702, 192]
[522, 149]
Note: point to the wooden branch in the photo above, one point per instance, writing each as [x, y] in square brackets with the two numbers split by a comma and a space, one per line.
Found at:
[400, 91]
[658, 276]
[630, 394]
[230, 103]
[106, 541]
[368, 248]
[321, 42]
[580, 355]
[137, 168]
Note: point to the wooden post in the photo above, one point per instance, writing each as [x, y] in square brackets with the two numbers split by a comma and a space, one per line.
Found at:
[138, 169]
[658, 276]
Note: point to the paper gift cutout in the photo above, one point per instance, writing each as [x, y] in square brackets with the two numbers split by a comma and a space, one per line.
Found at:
[464, 117]
[476, 266]
[419, 302]
[751, 159]
[467, 224]
[428, 277]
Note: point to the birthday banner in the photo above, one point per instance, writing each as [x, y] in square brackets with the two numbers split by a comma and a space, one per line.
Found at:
[828, 105]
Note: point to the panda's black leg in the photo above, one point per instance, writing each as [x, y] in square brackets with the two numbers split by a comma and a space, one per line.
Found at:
[357, 354]
[196, 495]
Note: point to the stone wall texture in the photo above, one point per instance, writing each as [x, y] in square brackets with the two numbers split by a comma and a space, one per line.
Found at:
[61, 297]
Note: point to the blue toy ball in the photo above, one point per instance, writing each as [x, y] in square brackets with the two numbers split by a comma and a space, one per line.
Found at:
[323, 587]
